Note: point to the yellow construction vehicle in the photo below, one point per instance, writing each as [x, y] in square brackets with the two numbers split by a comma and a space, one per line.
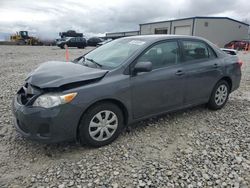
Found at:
[22, 38]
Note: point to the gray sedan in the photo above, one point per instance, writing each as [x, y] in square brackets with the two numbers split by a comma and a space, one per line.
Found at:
[93, 98]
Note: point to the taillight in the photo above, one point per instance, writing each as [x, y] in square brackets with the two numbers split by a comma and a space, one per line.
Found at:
[240, 63]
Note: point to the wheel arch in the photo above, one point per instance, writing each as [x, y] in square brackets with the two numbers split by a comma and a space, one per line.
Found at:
[228, 80]
[118, 103]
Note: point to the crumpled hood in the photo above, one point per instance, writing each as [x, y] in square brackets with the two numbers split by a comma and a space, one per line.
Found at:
[56, 73]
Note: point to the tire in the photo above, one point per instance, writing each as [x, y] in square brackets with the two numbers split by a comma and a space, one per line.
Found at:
[219, 96]
[91, 135]
[62, 47]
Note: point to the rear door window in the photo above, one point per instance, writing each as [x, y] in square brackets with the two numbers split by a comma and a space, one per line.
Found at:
[195, 50]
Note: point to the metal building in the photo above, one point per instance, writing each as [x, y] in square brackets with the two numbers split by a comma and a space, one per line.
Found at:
[121, 34]
[219, 30]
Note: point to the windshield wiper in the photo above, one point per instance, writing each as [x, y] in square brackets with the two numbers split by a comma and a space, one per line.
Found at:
[81, 60]
[78, 59]
[93, 61]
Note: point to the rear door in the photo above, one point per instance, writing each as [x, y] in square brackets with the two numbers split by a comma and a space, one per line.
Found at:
[161, 89]
[202, 70]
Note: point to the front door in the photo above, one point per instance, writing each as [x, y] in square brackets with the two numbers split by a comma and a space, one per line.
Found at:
[161, 89]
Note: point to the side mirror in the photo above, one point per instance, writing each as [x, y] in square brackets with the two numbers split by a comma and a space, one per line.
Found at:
[143, 67]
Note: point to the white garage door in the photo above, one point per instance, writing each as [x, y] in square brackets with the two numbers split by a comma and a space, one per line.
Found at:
[182, 30]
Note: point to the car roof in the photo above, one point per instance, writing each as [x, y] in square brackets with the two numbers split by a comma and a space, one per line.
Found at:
[159, 37]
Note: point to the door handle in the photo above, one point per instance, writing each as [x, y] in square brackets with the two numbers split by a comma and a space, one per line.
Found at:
[179, 72]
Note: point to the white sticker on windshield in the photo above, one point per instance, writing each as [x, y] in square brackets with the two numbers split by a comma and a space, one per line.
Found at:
[137, 42]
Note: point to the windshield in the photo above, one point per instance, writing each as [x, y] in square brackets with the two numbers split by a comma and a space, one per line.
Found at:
[116, 52]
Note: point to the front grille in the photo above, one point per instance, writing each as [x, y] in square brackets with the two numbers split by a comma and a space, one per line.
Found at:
[25, 98]
[27, 94]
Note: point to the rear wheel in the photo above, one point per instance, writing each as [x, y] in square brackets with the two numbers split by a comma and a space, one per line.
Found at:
[219, 95]
[101, 125]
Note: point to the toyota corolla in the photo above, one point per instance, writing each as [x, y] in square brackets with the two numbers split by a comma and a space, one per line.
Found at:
[92, 98]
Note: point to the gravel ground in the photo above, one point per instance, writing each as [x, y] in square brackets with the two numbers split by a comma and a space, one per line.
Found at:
[191, 148]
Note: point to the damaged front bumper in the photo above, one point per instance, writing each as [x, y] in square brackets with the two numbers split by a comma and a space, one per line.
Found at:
[47, 125]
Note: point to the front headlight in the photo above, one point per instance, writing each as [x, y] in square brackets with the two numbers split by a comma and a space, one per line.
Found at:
[50, 100]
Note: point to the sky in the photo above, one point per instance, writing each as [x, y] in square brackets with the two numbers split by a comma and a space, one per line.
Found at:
[46, 18]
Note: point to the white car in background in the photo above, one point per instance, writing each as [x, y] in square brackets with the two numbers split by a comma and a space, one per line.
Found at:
[230, 51]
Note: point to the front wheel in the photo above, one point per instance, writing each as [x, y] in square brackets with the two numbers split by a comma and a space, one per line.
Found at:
[101, 125]
[219, 95]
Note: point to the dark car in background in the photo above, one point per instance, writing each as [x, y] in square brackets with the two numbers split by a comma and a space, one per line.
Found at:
[93, 41]
[93, 98]
[78, 42]
[238, 45]
[104, 42]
